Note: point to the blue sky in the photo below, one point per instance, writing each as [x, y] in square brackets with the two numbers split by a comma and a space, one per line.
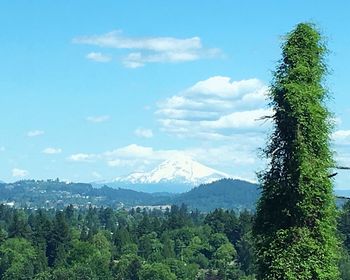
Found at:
[94, 90]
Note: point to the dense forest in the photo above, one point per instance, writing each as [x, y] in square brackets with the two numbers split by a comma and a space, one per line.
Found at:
[102, 243]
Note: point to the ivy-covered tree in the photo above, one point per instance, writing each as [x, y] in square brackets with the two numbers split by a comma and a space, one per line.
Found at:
[295, 223]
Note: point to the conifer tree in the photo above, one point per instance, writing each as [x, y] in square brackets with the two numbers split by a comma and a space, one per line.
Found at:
[295, 223]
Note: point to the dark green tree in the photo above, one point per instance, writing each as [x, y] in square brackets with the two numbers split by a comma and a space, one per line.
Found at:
[344, 225]
[3, 235]
[168, 248]
[127, 267]
[182, 270]
[69, 214]
[156, 271]
[59, 241]
[295, 223]
[224, 262]
[41, 228]
[19, 226]
[245, 253]
[344, 265]
[121, 238]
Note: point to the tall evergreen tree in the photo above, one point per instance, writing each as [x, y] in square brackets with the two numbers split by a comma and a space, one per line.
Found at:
[19, 226]
[295, 223]
[59, 241]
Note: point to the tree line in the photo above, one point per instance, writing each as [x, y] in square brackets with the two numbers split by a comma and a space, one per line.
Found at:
[102, 243]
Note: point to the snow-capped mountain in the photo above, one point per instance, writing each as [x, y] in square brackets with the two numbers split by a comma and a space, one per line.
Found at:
[182, 170]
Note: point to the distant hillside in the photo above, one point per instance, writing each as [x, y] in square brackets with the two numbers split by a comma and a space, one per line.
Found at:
[127, 197]
[56, 194]
[151, 188]
[343, 193]
[225, 193]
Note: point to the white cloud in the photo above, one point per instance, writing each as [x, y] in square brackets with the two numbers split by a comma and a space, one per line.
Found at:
[115, 162]
[81, 157]
[215, 108]
[151, 49]
[245, 119]
[98, 57]
[341, 137]
[98, 119]
[16, 172]
[143, 132]
[242, 152]
[96, 175]
[130, 151]
[118, 157]
[135, 60]
[52, 151]
[2, 149]
[115, 39]
[125, 162]
[341, 134]
[34, 133]
[221, 86]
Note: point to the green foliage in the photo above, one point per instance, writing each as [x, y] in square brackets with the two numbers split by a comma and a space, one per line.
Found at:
[19, 226]
[156, 271]
[127, 267]
[77, 244]
[18, 259]
[168, 251]
[224, 222]
[344, 265]
[62, 273]
[44, 275]
[246, 253]
[201, 249]
[59, 241]
[344, 225]
[295, 224]
[182, 270]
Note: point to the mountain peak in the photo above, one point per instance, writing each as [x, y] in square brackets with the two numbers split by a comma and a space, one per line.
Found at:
[180, 169]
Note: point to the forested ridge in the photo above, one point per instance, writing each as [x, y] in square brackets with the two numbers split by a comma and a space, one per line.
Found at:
[225, 193]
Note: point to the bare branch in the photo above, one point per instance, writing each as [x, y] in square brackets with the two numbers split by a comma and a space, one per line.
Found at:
[342, 167]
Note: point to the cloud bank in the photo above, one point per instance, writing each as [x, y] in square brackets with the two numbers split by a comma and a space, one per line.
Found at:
[52, 151]
[19, 173]
[98, 119]
[35, 133]
[215, 108]
[148, 49]
[98, 57]
[143, 132]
